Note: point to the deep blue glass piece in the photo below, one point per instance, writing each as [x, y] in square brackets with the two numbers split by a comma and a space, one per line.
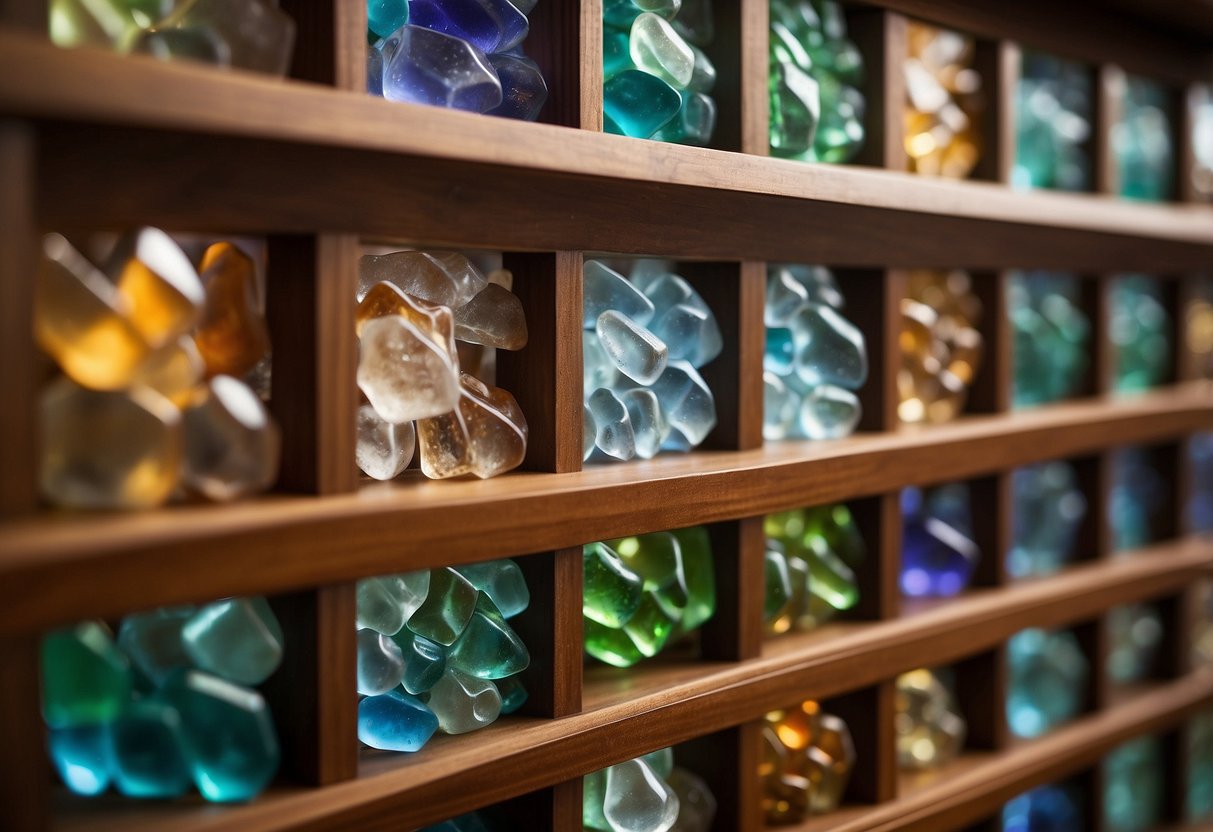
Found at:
[937, 551]
[491, 25]
[523, 89]
[395, 721]
[1045, 809]
[423, 66]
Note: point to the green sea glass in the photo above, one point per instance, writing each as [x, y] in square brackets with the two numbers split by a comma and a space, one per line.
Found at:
[502, 581]
[85, 677]
[464, 703]
[612, 593]
[447, 608]
[488, 648]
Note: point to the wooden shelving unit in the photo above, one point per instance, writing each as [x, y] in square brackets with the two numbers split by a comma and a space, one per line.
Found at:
[94, 141]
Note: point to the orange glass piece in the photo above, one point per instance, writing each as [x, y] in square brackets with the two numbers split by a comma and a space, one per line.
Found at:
[941, 348]
[805, 764]
[485, 435]
[944, 103]
[232, 334]
[433, 320]
[158, 283]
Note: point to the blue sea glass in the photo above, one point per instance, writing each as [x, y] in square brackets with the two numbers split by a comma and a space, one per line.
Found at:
[374, 71]
[649, 426]
[829, 348]
[490, 25]
[690, 333]
[1048, 672]
[395, 721]
[424, 661]
[828, 412]
[615, 436]
[1199, 510]
[937, 557]
[523, 90]
[1044, 809]
[605, 289]
[638, 103]
[147, 749]
[687, 401]
[1048, 508]
[83, 757]
[1133, 786]
[423, 66]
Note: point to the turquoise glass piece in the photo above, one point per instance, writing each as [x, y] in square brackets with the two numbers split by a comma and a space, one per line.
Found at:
[1048, 674]
[635, 351]
[1044, 809]
[649, 426]
[464, 703]
[386, 16]
[83, 757]
[1133, 786]
[785, 295]
[614, 435]
[152, 641]
[395, 721]
[660, 761]
[85, 677]
[1142, 142]
[686, 400]
[691, 333]
[1052, 124]
[658, 50]
[488, 647]
[780, 354]
[380, 663]
[1049, 507]
[229, 736]
[620, 14]
[1140, 330]
[639, 103]
[612, 592]
[829, 348]
[147, 751]
[238, 639]
[424, 661]
[471, 822]
[1136, 634]
[637, 798]
[616, 55]
[503, 581]
[605, 289]
[523, 89]
[447, 608]
[424, 66]
[490, 25]
[1051, 337]
[513, 694]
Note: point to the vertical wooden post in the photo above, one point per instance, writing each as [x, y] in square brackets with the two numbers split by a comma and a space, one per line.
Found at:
[551, 629]
[754, 37]
[981, 690]
[868, 714]
[991, 390]
[735, 632]
[590, 76]
[874, 305]
[728, 763]
[1186, 101]
[879, 521]
[557, 809]
[1094, 537]
[1093, 639]
[882, 39]
[993, 526]
[556, 43]
[1109, 101]
[998, 63]
[1095, 302]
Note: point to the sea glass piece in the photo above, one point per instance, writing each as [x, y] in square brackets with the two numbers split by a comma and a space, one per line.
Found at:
[502, 581]
[231, 334]
[598, 370]
[386, 16]
[488, 648]
[229, 736]
[690, 332]
[606, 289]
[610, 645]
[395, 721]
[703, 77]
[85, 677]
[652, 625]
[1043, 809]
[635, 352]
[146, 741]
[83, 757]
[696, 803]
[491, 25]
[82, 321]
[231, 443]
[828, 412]
[258, 35]
[829, 348]
[153, 642]
[695, 122]
[614, 433]
[593, 792]
[638, 103]
[384, 450]
[523, 89]
[380, 663]
[238, 639]
[1047, 674]
[432, 320]
[108, 450]
[464, 703]
[686, 401]
[1136, 634]
[485, 435]
[666, 290]
[424, 66]
[443, 278]
[937, 558]
[649, 427]
[615, 52]
[404, 373]
[621, 13]
[930, 728]
[659, 50]
[1133, 777]
[386, 602]
[81, 23]
[1049, 506]
[424, 661]
[173, 371]
[660, 761]
[158, 285]
[636, 799]
[447, 608]
[612, 592]
[494, 317]
[806, 762]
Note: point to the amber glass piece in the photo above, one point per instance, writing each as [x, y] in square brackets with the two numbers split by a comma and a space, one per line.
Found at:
[174, 371]
[158, 283]
[432, 319]
[485, 435]
[231, 335]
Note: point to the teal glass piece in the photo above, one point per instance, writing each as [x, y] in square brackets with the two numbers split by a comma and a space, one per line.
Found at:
[703, 77]
[503, 581]
[635, 351]
[780, 355]
[386, 602]
[447, 608]
[85, 677]
[1142, 142]
[1137, 495]
[380, 663]
[424, 661]
[1052, 124]
[785, 295]
[620, 14]
[238, 639]
[471, 822]
[230, 741]
[1140, 330]
[605, 289]
[610, 645]
[829, 348]
[616, 56]
[614, 435]
[1133, 786]
[1049, 507]
[660, 51]
[147, 748]
[1048, 672]
[383, 17]
[612, 592]
[488, 648]
[649, 426]
[464, 703]
[152, 641]
[1051, 337]
[513, 694]
[1136, 633]
[83, 757]
[639, 103]
[687, 401]
[691, 333]
[395, 721]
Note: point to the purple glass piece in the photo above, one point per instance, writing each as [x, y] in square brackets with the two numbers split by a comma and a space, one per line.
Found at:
[491, 25]
[422, 66]
[936, 560]
[523, 89]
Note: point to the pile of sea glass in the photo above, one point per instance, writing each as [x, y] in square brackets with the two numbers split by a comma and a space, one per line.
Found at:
[1142, 143]
[943, 102]
[1048, 507]
[643, 343]
[806, 763]
[1135, 632]
[642, 593]
[1136, 496]
[453, 53]
[648, 793]
[153, 352]
[1133, 786]
[437, 653]
[248, 34]
[1044, 809]
[938, 554]
[656, 76]
[1052, 124]
[1200, 766]
[1140, 330]
[1051, 337]
[930, 728]
[811, 558]
[814, 360]
[817, 109]
[1048, 675]
[413, 308]
[170, 705]
[940, 345]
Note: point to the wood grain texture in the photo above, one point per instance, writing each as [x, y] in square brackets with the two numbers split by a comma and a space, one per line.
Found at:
[879, 521]
[551, 629]
[981, 691]
[755, 35]
[313, 694]
[874, 305]
[991, 390]
[310, 283]
[658, 705]
[546, 375]
[330, 43]
[278, 544]
[881, 36]
[590, 75]
[555, 44]
[735, 632]
[24, 787]
[998, 62]
[1108, 101]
